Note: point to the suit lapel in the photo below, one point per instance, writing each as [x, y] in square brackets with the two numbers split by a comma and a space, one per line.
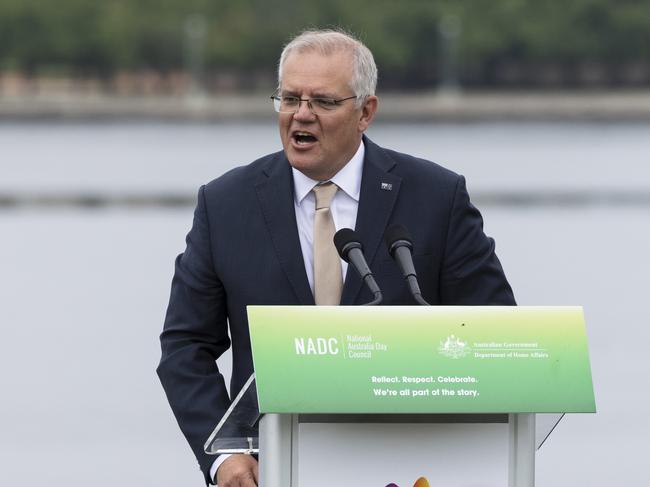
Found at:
[274, 190]
[379, 190]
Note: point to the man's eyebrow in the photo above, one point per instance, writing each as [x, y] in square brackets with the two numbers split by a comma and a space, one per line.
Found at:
[324, 95]
[314, 95]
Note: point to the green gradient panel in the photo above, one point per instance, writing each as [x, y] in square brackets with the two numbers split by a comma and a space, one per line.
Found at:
[518, 359]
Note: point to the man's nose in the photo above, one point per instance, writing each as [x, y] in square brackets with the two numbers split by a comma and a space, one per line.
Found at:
[304, 111]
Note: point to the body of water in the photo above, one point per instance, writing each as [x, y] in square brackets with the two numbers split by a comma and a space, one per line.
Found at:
[84, 289]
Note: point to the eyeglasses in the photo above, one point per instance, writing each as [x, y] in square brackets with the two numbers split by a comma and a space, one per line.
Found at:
[317, 106]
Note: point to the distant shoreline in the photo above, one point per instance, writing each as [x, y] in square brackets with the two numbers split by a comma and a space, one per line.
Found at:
[500, 198]
[607, 106]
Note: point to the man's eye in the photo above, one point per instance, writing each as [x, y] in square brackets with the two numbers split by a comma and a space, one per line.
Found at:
[325, 103]
[290, 100]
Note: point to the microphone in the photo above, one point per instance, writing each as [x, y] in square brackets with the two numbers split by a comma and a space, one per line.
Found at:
[400, 245]
[350, 249]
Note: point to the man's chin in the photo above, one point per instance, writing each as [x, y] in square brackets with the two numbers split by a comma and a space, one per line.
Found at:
[305, 153]
[309, 166]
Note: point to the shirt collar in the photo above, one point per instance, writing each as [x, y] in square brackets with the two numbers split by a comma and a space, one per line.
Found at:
[347, 179]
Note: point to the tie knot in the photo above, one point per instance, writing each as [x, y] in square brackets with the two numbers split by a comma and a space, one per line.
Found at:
[324, 194]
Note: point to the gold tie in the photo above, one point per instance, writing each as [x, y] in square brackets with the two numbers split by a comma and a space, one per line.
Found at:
[328, 280]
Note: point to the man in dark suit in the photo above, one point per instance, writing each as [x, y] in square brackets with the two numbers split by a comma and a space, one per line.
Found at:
[252, 237]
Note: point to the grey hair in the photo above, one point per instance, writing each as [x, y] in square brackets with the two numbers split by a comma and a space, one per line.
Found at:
[326, 42]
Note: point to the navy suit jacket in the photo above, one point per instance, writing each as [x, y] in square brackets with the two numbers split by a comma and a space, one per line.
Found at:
[244, 249]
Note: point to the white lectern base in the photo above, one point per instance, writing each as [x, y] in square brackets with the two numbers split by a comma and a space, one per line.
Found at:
[377, 450]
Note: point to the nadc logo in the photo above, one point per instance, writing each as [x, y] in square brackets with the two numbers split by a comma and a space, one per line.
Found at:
[316, 346]
[421, 482]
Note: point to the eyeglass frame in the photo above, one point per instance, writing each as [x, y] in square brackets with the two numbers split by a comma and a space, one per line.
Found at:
[277, 99]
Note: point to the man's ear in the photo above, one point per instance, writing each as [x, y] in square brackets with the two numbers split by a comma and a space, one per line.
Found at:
[368, 111]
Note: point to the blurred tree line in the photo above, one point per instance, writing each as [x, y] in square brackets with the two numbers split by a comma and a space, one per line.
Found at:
[417, 43]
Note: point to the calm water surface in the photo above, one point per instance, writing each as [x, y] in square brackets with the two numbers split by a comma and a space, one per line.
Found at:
[127, 157]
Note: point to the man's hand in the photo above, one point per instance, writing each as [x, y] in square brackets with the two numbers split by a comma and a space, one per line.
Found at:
[238, 471]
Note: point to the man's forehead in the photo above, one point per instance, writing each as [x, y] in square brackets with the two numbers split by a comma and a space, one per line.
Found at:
[336, 60]
[317, 70]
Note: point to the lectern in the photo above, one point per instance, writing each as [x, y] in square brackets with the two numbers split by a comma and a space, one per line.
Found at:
[402, 396]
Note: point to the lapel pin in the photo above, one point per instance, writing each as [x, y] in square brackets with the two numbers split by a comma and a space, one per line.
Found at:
[387, 186]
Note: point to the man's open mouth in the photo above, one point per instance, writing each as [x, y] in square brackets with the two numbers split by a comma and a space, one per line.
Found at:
[303, 138]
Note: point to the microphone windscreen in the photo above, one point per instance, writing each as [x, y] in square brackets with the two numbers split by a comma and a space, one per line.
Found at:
[397, 232]
[344, 237]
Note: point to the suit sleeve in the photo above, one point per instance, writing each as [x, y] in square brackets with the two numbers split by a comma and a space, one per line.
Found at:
[195, 334]
[471, 272]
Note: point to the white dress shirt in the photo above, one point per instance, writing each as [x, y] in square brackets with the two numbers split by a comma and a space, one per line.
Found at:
[344, 208]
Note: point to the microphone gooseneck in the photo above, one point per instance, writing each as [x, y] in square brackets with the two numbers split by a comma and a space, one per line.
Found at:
[400, 246]
[349, 247]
